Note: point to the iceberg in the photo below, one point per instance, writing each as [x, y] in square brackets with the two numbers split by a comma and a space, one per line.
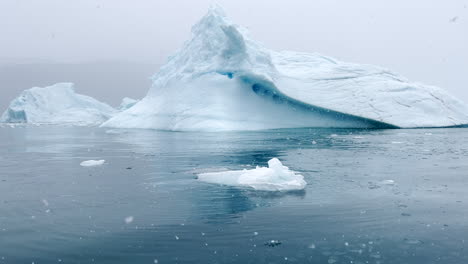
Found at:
[274, 178]
[58, 105]
[221, 79]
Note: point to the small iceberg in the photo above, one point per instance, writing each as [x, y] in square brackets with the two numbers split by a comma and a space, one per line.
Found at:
[92, 163]
[127, 103]
[57, 104]
[274, 178]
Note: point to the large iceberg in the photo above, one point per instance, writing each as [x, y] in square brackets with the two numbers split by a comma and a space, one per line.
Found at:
[223, 80]
[56, 104]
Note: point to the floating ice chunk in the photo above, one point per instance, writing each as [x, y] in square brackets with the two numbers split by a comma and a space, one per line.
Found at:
[413, 241]
[92, 163]
[45, 202]
[274, 178]
[273, 243]
[128, 219]
[387, 182]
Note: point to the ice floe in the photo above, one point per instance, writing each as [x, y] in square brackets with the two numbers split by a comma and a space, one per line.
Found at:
[275, 177]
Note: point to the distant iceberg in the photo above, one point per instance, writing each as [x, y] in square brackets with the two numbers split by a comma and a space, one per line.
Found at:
[274, 178]
[127, 103]
[56, 104]
[223, 80]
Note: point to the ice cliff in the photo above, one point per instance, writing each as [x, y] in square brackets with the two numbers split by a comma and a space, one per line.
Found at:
[56, 104]
[223, 80]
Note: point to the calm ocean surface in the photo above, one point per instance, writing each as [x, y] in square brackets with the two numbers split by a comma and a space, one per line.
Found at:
[144, 205]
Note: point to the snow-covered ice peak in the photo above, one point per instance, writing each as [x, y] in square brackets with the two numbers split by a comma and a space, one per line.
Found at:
[56, 104]
[217, 46]
[221, 79]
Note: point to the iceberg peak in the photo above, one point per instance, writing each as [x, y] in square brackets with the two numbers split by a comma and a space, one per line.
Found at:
[215, 10]
[216, 45]
[214, 19]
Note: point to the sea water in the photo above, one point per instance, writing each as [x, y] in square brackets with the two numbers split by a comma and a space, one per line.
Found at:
[373, 196]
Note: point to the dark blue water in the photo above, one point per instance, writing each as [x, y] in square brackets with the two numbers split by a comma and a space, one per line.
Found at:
[52, 210]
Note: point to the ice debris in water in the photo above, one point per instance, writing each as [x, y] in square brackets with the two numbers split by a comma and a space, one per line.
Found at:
[273, 243]
[92, 163]
[45, 202]
[373, 185]
[387, 182]
[128, 219]
[413, 241]
[275, 177]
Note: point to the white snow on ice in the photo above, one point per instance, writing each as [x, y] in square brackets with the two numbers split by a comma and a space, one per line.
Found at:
[58, 105]
[221, 79]
[92, 163]
[275, 177]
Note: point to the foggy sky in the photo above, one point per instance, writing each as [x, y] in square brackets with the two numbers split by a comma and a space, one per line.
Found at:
[120, 43]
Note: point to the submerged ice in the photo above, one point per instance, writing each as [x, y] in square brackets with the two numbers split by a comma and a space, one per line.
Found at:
[56, 104]
[223, 80]
[275, 177]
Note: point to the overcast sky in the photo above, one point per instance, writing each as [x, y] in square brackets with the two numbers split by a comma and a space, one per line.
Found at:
[424, 40]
